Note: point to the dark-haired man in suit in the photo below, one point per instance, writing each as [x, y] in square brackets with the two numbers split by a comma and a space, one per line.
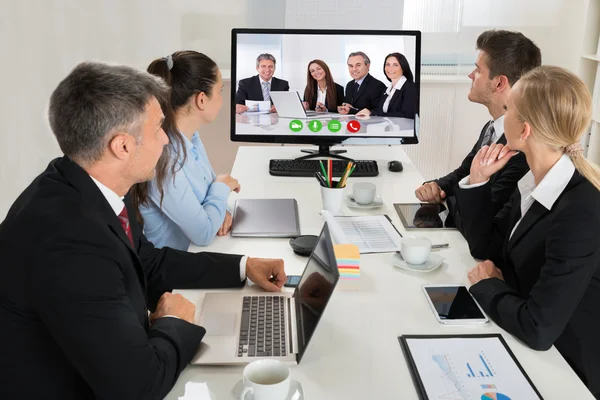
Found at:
[504, 56]
[363, 91]
[259, 87]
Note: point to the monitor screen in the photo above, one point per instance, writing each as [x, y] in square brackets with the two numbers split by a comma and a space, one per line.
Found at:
[325, 86]
[315, 289]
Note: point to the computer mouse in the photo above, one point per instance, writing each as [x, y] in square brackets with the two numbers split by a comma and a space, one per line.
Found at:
[395, 166]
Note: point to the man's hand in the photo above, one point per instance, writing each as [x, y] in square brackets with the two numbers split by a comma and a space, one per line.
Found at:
[430, 192]
[268, 273]
[365, 112]
[230, 181]
[226, 227]
[344, 108]
[484, 270]
[240, 108]
[273, 109]
[488, 161]
[176, 305]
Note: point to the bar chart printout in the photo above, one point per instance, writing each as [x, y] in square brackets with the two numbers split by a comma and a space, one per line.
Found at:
[466, 368]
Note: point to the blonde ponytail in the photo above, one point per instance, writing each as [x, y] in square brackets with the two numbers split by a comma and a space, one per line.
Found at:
[558, 106]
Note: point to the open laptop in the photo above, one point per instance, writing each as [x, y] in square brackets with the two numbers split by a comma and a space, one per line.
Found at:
[289, 105]
[245, 326]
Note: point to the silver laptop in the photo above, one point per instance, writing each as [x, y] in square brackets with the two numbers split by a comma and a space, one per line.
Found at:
[265, 218]
[289, 105]
[245, 326]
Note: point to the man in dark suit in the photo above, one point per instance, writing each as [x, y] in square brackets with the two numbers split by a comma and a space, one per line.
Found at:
[363, 91]
[503, 58]
[78, 275]
[259, 86]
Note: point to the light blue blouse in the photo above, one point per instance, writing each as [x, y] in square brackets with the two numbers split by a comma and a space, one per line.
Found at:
[193, 206]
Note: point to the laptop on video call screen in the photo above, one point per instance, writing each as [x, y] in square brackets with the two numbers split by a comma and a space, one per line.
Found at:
[309, 86]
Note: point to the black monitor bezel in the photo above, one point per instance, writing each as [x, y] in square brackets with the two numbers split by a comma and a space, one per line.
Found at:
[319, 140]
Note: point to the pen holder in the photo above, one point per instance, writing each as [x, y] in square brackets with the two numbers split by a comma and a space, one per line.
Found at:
[332, 198]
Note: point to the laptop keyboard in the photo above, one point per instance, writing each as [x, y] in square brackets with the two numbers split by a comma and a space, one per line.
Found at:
[263, 328]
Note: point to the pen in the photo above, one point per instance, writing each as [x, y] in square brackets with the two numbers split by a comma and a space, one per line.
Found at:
[324, 173]
[440, 246]
[320, 179]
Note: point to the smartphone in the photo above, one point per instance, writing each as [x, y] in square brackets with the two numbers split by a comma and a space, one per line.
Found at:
[292, 281]
[454, 305]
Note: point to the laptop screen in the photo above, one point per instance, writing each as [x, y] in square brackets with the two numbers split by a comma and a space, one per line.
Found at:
[315, 289]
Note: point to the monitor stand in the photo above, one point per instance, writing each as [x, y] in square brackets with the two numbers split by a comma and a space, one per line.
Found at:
[324, 151]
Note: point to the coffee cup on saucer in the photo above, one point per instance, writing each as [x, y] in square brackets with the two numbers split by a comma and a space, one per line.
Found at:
[266, 380]
[415, 249]
[364, 192]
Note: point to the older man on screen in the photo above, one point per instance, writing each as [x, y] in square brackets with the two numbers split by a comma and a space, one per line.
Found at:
[260, 86]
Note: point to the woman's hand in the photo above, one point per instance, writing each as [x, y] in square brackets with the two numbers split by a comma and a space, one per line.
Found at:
[226, 226]
[364, 112]
[484, 270]
[227, 179]
[488, 161]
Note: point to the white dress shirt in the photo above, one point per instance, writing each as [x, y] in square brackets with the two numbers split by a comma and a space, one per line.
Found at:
[116, 203]
[498, 128]
[321, 95]
[391, 90]
[546, 193]
[261, 82]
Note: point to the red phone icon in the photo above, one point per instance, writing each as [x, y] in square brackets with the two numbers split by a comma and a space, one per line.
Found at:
[353, 126]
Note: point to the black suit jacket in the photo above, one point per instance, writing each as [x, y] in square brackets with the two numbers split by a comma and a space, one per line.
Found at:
[74, 296]
[551, 267]
[401, 105]
[339, 99]
[251, 89]
[369, 93]
[504, 182]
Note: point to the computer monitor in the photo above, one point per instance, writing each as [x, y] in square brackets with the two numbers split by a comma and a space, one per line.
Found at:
[296, 111]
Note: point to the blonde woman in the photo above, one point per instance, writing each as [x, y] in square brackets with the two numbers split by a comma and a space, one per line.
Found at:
[541, 278]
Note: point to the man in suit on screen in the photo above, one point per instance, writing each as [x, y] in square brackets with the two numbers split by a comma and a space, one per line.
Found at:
[258, 87]
[363, 91]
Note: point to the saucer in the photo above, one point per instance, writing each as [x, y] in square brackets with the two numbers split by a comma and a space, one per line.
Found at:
[377, 202]
[432, 263]
[296, 392]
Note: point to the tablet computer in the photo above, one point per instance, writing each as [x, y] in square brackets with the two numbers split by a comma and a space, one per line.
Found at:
[424, 216]
[454, 305]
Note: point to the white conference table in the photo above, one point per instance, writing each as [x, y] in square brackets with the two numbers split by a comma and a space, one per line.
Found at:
[354, 353]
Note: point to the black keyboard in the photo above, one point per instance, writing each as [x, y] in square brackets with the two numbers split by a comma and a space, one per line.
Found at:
[262, 333]
[309, 167]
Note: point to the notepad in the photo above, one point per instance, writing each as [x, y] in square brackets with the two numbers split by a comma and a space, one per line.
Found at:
[371, 233]
[348, 260]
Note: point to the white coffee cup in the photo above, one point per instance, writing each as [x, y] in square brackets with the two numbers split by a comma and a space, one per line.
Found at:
[267, 380]
[364, 192]
[415, 249]
[332, 198]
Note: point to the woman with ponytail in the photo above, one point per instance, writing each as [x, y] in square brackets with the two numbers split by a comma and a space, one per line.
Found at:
[540, 280]
[186, 202]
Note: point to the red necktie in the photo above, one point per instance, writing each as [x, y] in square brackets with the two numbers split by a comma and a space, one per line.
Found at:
[124, 218]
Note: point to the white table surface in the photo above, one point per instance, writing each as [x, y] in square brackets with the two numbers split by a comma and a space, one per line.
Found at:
[354, 353]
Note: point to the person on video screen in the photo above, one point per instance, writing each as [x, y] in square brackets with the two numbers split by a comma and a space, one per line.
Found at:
[321, 93]
[400, 97]
[363, 91]
[259, 87]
